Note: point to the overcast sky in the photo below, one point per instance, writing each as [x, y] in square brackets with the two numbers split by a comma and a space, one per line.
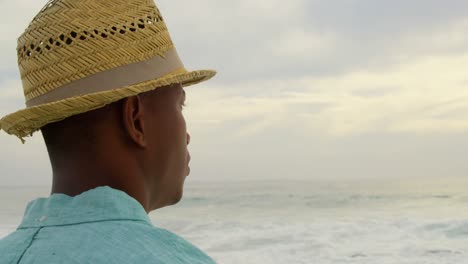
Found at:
[305, 89]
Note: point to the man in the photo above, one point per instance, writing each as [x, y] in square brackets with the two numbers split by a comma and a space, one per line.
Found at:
[104, 84]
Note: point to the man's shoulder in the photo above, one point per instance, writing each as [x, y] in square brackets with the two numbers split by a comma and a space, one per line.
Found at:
[160, 243]
[13, 245]
[103, 242]
[139, 242]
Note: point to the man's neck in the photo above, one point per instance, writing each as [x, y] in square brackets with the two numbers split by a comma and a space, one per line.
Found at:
[78, 176]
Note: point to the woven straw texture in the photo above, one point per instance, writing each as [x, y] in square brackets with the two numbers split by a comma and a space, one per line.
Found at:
[72, 39]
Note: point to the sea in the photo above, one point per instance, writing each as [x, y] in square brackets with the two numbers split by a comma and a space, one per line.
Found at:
[308, 221]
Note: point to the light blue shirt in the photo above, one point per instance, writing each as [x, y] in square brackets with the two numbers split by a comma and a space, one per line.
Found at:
[102, 225]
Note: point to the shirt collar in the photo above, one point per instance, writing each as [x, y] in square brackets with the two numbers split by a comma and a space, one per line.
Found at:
[99, 204]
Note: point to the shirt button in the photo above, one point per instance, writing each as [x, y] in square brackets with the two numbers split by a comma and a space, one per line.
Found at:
[43, 218]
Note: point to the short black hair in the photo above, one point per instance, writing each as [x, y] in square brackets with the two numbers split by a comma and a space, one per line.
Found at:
[76, 130]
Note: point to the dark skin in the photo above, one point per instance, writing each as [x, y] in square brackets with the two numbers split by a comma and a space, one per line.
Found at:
[137, 145]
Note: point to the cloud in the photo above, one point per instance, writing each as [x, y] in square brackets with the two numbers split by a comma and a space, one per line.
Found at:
[11, 96]
[255, 41]
[299, 43]
[14, 18]
[401, 100]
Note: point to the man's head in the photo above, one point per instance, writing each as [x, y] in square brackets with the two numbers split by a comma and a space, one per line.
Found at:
[72, 64]
[138, 141]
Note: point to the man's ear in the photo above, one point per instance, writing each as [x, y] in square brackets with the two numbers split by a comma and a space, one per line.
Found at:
[133, 120]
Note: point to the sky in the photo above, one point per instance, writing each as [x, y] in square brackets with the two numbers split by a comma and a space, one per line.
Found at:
[306, 89]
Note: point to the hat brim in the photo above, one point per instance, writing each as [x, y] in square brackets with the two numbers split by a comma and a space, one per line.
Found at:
[25, 122]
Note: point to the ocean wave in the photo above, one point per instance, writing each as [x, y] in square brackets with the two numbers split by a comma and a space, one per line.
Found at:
[458, 231]
[454, 229]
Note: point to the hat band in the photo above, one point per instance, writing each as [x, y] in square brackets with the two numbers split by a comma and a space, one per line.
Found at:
[115, 78]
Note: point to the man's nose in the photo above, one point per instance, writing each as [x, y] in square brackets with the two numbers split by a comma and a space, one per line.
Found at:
[188, 138]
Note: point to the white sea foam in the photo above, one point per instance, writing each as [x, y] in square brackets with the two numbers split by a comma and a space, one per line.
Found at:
[329, 240]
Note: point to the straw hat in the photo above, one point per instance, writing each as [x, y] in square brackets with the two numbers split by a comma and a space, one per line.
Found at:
[79, 55]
